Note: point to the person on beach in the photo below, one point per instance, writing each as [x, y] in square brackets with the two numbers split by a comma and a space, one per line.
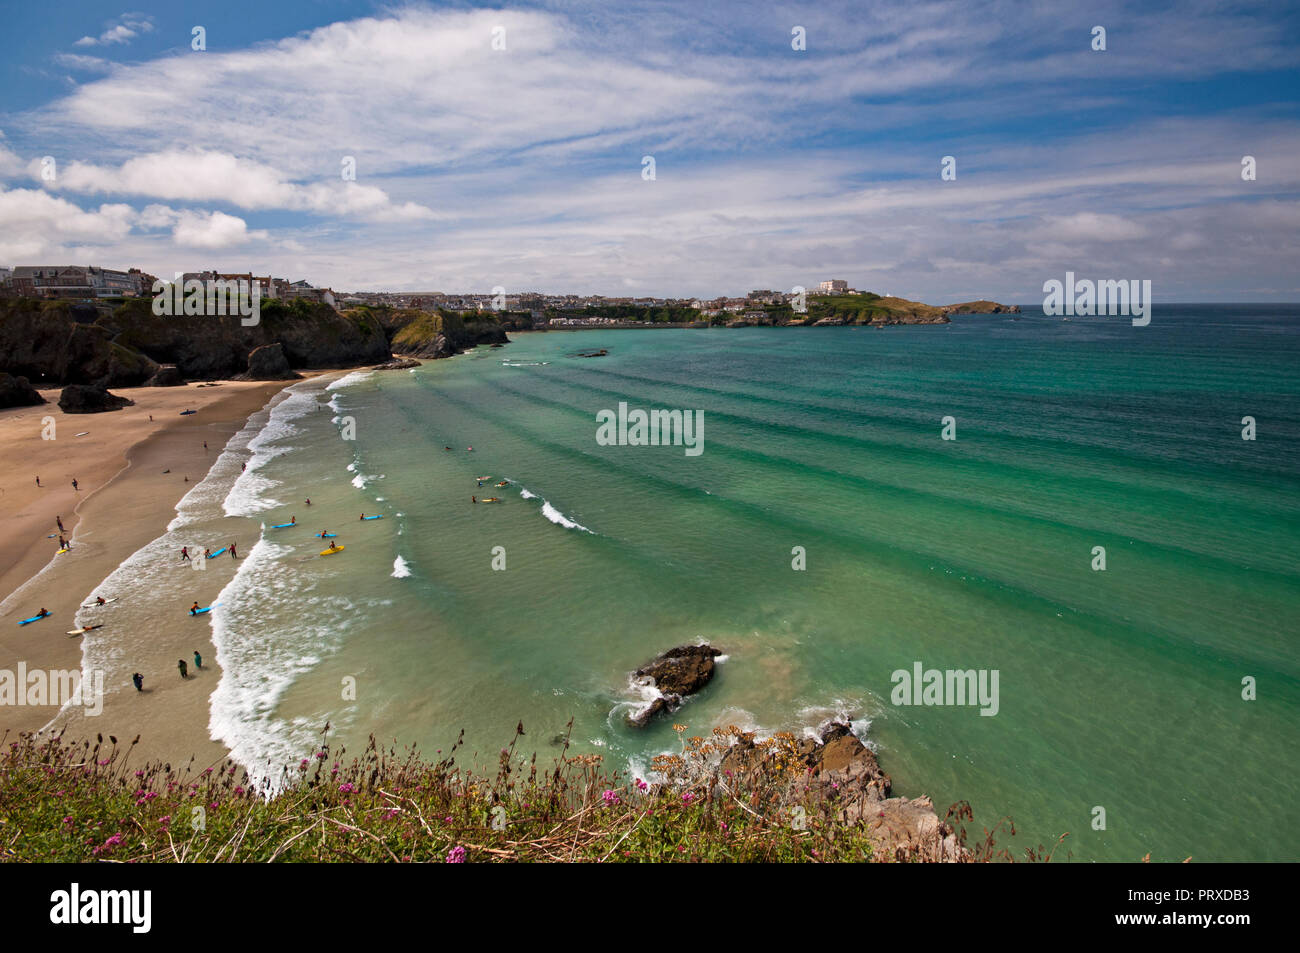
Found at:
[62, 544]
[185, 553]
[232, 551]
[205, 445]
[43, 613]
[184, 669]
[194, 609]
[59, 520]
[293, 521]
[38, 479]
[74, 483]
[138, 679]
[100, 601]
[151, 418]
[198, 659]
[207, 552]
[309, 501]
[243, 467]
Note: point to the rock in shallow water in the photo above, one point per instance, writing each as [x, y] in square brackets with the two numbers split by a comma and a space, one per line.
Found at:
[679, 672]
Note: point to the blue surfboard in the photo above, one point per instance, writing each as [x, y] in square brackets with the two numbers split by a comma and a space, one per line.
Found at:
[217, 553]
[283, 525]
[326, 535]
[35, 618]
[203, 610]
[379, 517]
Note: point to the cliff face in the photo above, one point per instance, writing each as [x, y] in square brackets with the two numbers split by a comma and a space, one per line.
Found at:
[50, 343]
[424, 334]
[310, 334]
[54, 343]
[981, 307]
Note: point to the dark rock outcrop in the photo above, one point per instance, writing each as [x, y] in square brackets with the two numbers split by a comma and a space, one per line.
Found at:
[88, 399]
[842, 776]
[268, 363]
[396, 364]
[981, 307]
[436, 334]
[18, 392]
[166, 376]
[675, 674]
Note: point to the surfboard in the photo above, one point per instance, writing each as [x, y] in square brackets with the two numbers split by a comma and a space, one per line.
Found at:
[84, 433]
[331, 552]
[483, 478]
[187, 412]
[201, 611]
[283, 525]
[61, 552]
[35, 618]
[491, 499]
[218, 552]
[326, 535]
[91, 605]
[504, 483]
[379, 517]
[85, 629]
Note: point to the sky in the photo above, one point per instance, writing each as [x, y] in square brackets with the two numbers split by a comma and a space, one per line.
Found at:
[509, 146]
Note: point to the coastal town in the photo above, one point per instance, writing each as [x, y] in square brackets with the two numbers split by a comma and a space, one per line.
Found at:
[83, 283]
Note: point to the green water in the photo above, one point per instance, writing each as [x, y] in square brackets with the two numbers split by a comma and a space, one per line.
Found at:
[1119, 689]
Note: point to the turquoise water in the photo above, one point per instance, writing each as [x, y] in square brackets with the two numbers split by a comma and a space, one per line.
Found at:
[1119, 689]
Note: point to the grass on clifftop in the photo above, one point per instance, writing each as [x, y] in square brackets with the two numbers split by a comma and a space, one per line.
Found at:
[61, 801]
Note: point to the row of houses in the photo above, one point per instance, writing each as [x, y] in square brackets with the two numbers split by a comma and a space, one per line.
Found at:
[88, 282]
[75, 281]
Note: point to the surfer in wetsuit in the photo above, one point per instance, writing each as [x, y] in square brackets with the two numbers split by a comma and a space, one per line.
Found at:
[138, 679]
[99, 600]
[473, 499]
[194, 609]
[180, 664]
[207, 552]
[185, 552]
[232, 551]
[198, 660]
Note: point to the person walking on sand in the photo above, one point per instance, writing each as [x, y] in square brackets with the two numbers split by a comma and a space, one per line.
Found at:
[138, 679]
[205, 445]
[198, 659]
[38, 481]
[74, 483]
[185, 553]
[59, 520]
[184, 669]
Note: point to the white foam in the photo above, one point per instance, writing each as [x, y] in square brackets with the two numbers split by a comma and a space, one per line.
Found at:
[347, 380]
[401, 568]
[550, 512]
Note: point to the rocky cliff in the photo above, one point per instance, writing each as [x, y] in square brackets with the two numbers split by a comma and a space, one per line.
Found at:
[54, 343]
[435, 334]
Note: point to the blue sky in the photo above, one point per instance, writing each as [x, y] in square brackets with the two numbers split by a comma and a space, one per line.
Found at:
[774, 167]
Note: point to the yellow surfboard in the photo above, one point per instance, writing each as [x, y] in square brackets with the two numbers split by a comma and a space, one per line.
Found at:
[331, 552]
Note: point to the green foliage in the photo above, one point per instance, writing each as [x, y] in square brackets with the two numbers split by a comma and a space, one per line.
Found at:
[93, 802]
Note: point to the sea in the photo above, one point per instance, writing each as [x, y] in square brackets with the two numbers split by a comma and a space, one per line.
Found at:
[1100, 520]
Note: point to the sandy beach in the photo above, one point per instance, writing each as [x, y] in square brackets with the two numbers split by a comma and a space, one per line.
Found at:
[131, 471]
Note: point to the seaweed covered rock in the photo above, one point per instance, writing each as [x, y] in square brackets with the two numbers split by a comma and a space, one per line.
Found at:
[89, 399]
[18, 392]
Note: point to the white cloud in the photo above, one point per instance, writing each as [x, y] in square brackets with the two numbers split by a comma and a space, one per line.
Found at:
[210, 230]
[126, 28]
[196, 175]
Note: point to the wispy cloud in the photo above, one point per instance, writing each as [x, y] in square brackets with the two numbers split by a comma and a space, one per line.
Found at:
[122, 30]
